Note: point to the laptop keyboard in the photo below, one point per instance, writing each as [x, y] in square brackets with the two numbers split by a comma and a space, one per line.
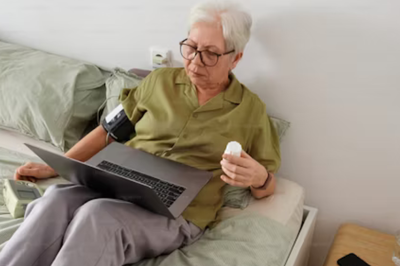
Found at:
[167, 192]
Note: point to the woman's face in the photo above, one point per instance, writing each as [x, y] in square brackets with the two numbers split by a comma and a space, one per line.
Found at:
[207, 36]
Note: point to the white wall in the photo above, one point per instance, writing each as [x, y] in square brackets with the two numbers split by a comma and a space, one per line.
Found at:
[331, 67]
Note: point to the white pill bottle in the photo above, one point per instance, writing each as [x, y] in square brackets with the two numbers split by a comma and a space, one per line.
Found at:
[234, 148]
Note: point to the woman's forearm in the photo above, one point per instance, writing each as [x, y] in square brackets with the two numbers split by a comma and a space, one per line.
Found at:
[91, 144]
[268, 191]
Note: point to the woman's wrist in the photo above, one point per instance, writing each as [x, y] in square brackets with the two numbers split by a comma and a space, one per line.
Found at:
[263, 185]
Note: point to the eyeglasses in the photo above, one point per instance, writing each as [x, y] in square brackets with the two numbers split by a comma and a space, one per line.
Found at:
[208, 58]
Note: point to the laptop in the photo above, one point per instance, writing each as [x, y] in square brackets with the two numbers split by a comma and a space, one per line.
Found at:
[121, 172]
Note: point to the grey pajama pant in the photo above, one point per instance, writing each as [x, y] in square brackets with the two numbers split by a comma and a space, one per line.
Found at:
[72, 226]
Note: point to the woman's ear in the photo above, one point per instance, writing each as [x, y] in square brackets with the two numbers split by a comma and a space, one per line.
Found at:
[236, 60]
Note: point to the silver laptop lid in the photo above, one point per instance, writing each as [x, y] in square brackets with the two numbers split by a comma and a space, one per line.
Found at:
[192, 179]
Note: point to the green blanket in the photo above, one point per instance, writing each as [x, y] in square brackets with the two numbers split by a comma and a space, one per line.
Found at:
[9, 162]
[241, 240]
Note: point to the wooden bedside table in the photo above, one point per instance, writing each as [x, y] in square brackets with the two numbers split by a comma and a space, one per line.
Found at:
[374, 247]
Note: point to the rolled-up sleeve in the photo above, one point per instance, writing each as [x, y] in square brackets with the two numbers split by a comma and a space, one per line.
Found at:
[265, 144]
[133, 98]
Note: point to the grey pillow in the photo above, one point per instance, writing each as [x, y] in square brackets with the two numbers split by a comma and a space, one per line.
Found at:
[46, 96]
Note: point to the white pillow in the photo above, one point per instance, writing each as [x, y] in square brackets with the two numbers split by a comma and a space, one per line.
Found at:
[284, 206]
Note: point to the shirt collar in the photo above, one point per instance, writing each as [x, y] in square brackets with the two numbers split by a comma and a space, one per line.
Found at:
[232, 94]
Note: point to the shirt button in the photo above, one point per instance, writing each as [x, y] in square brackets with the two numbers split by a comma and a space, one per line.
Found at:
[195, 115]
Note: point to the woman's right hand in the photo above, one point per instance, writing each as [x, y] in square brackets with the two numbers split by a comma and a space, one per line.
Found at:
[34, 171]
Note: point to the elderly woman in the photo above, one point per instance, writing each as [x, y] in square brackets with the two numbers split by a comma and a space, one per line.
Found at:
[184, 114]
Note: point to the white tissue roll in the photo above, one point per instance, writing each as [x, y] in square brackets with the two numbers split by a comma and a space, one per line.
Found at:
[234, 148]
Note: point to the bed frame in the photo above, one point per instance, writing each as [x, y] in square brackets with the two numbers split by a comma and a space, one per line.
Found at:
[302, 246]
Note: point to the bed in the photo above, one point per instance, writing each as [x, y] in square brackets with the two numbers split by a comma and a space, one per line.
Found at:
[284, 225]
[14, 143]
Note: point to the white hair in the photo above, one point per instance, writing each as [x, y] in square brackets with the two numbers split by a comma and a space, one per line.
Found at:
[235, 22]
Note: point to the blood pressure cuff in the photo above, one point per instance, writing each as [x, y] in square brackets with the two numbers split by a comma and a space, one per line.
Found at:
[117, 125]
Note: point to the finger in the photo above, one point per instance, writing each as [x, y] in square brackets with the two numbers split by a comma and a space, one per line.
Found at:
[234, 168]
[28, 178]
[232, 182]
[236, 160]
[24, 178]
[245, 155]
[29, 165]
[234, 176]
[17, 176]
[28, 171]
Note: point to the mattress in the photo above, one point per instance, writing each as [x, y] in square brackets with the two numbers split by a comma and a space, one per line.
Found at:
[15, 141]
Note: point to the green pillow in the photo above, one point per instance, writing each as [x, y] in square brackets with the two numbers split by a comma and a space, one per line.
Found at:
[118, 80]
[46, 96]
[281, 126]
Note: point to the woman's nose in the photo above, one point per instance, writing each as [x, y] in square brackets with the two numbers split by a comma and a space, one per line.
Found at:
[197, 60]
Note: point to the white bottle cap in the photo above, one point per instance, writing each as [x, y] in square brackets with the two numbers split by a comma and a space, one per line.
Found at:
[234, 148]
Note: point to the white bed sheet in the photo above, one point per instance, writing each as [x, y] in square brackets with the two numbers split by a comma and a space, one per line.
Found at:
[15, 141]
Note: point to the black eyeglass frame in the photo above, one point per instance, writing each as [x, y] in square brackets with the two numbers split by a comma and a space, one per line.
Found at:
[199, 52]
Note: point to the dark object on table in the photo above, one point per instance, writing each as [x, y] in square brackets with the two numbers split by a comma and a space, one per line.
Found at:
[351, 260]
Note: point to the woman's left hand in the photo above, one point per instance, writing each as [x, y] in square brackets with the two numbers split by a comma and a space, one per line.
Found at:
[243, 171]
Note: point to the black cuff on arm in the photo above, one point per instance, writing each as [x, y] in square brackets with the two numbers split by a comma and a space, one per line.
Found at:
[118, 126]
